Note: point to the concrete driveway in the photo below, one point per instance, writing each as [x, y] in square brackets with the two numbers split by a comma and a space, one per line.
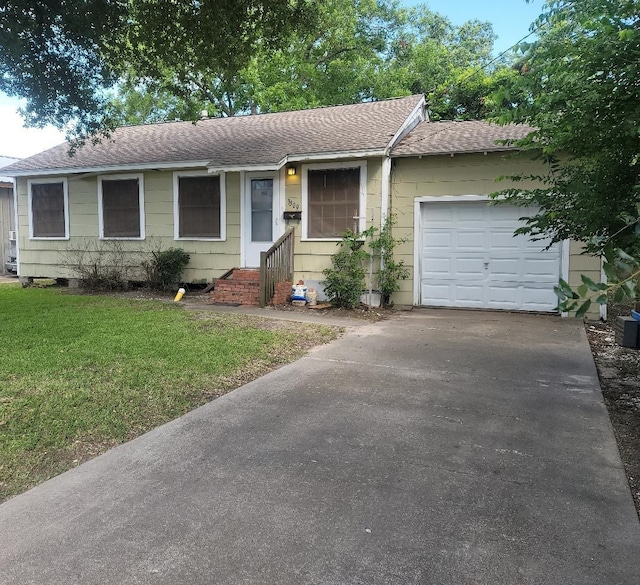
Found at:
[439, 447]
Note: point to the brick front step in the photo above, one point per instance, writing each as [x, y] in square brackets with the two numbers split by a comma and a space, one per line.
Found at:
[241, 287]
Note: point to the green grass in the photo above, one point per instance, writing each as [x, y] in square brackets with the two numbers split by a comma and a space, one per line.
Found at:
[81, 373]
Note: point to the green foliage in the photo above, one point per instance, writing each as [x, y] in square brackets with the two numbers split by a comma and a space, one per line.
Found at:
[165, 267]
[345, 280]
[149, 103]
[445, 62]
[356, 50]
[578, 88]
[623, 282]
[64, 57]
[391, 271]
[54, 55]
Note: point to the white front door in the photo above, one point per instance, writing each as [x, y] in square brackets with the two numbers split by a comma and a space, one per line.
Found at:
[261, 203]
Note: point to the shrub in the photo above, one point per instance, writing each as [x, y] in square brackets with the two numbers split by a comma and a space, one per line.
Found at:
[102, 268]
[390, 271]
[165, 267]
[344, 281]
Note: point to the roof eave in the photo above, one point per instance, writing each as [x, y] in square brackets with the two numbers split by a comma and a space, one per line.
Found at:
[213, 169]
[352, 154]
[98, 169]
[298, 158]
[208, 164]
[455, 152]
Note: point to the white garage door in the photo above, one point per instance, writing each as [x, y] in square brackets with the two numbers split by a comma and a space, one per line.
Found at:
[469, 258]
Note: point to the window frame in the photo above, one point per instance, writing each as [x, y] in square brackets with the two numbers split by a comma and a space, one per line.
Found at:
[65, 191]
[140, 178]
[329, 166]
[176, 206]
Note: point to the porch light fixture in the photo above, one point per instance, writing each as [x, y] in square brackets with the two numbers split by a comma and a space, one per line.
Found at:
[291, 171]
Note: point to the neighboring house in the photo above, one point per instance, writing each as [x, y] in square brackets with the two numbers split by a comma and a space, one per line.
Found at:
[225, 189]
[8, 251]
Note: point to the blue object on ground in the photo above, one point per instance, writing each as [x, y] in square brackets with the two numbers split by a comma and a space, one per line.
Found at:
[635, 315]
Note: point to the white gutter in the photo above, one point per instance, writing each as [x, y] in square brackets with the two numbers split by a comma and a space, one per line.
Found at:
[177, 165]
[242, 168]
[111, 169]
[457, 152]
[332, 155]
[297, 158]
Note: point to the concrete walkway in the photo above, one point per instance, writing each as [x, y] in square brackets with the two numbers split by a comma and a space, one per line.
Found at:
[439, 447]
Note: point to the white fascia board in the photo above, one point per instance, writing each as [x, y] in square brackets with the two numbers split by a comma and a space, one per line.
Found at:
[214, 170]
[329, 156]
[456, 152]
[112, 169]
[413, 119]
[298, 158]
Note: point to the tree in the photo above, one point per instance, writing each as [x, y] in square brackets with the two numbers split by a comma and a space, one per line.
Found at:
[64, 56]
[334, 62]
[357, 50]
[55, 55]
[578, 87]
[445, 62]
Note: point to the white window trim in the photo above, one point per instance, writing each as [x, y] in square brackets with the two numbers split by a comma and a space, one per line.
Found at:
[362, 222]
[176, 208]
[140, 177]
[65, 189]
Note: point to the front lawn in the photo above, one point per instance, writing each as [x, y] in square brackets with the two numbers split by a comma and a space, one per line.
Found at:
[80, 374]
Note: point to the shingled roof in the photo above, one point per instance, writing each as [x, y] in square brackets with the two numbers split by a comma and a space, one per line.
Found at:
[4, 162]
[264, 140]
[447, 137]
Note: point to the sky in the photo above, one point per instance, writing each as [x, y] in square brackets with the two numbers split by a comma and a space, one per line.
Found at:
[510, 18]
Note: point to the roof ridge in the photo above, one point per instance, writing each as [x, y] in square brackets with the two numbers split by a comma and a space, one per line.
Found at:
[264, 114]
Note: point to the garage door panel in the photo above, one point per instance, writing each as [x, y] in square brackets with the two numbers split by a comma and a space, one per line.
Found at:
[538, 245]
[443, 216]
[436, 239]
[468, 267]
[470, 258]
[468, 295]
[541, 268]
[503, 298]
[506, 269]
[438, 293]
[505, 240]
[471, 239]
[438, 268]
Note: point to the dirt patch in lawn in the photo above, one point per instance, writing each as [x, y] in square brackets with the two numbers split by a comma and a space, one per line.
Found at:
[619, 372]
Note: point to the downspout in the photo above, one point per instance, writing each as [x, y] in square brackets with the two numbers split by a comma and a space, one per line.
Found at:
[386, 198]
[386, 189]
[371, 263]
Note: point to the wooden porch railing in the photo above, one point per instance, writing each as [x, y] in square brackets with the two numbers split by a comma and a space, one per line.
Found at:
[276, 265]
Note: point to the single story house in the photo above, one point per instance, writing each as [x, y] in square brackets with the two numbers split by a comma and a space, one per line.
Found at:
[226, 189]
